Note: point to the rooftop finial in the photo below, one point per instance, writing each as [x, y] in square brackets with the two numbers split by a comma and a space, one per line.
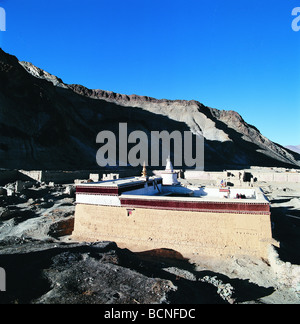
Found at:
[144, 173]
[169, 166]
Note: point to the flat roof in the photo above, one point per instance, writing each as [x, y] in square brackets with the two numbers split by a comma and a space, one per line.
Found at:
[260, 198]
[119, 182]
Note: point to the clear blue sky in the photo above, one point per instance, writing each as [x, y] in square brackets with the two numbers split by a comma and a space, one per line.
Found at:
[233, 55]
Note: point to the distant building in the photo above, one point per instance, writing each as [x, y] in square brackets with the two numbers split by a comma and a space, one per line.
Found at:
[144, 213]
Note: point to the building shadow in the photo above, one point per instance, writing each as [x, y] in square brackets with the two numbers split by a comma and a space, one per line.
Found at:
[286, 230]
[196, 291]
[26, 280]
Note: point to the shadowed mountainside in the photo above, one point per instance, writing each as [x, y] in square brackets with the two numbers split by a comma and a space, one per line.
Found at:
[46, 124]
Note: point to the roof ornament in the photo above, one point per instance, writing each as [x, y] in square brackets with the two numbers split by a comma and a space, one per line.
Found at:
[169, 166]
[144, 172]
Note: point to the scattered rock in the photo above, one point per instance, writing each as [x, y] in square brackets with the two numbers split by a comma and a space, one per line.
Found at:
[7, 214]
[3, 191]
[62, 227]
[76, 274]
[225, 291]
[70, 191]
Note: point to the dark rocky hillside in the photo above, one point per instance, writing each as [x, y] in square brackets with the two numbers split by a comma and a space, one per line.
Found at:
[46, 124]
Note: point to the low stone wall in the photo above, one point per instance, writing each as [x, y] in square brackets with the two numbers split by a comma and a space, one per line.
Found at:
[64, 176]
[60, 177]
[203, 175]
[31, 175]
[277, 176]
[54, 176]
[261, 176]
[189, 233]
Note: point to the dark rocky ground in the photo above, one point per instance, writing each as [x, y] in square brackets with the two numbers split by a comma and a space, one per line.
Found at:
[43, 266]
[40, 272]
[101, 273]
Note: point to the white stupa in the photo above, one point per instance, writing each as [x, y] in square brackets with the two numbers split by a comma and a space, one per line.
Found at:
[169, 176]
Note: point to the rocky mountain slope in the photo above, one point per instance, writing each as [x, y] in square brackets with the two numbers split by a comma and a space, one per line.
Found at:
[46, 124]
[294, 148]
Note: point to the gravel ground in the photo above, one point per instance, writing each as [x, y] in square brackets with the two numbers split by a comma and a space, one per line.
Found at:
[44, 266]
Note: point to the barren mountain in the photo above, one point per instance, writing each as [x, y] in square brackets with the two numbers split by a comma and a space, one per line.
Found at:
[46, 124]
[294, 148]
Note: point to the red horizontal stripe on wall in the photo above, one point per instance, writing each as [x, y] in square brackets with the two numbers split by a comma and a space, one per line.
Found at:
[97, 190]
[94, 190]
[197, 206]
